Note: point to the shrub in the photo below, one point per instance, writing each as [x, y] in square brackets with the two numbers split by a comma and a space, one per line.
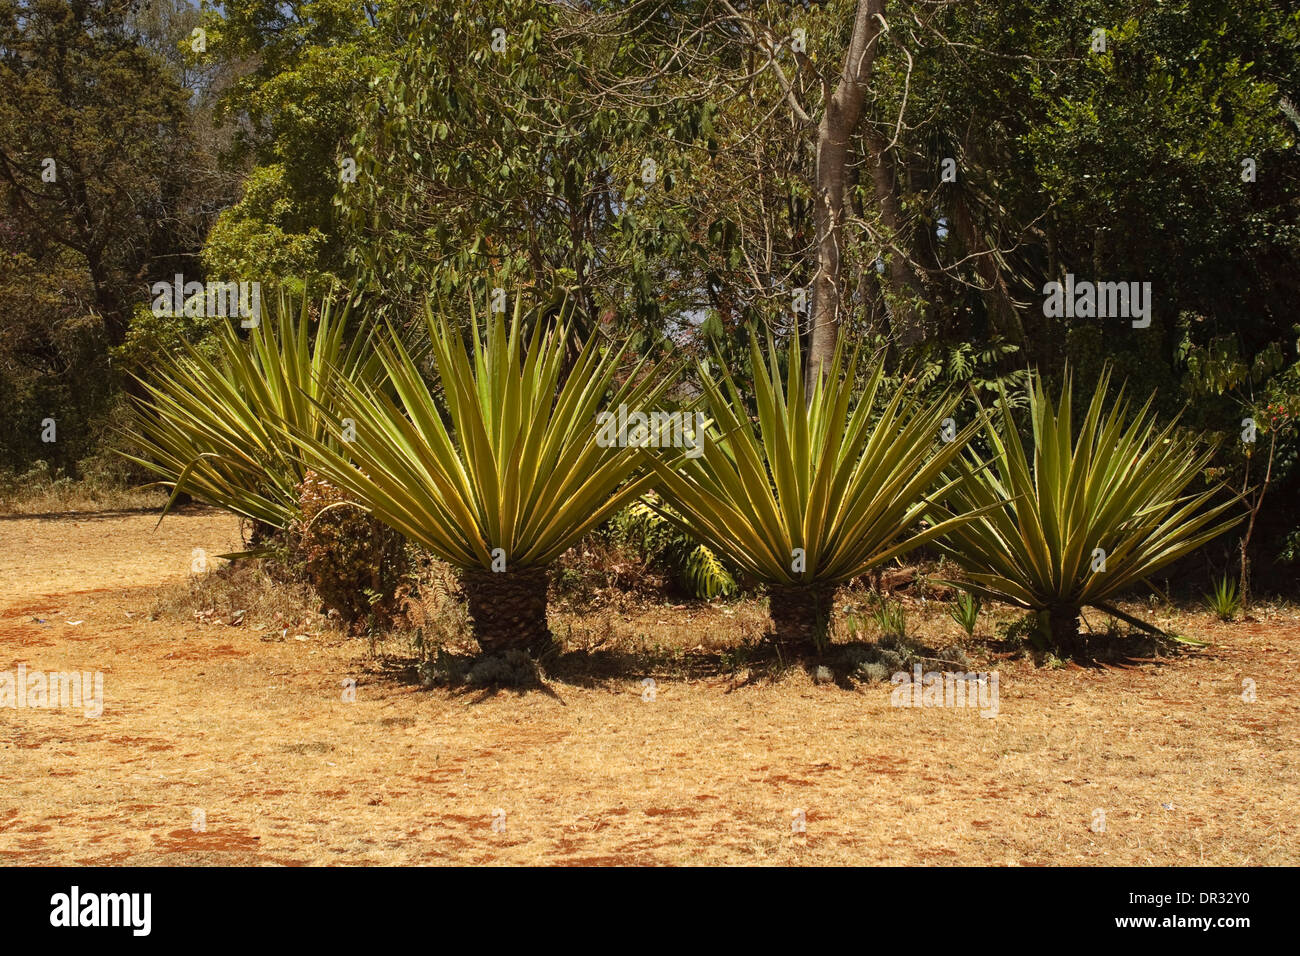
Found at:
[215, 427]
[691, 566]
[356, 564]
[511, 477]
[823, 486]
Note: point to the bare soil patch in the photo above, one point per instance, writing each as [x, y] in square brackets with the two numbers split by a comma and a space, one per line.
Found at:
[248, 732]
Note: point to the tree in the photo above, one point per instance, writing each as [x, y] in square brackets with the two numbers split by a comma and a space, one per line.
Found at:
[293, 75]
[482, 160]
[809, 73]
[93, 144]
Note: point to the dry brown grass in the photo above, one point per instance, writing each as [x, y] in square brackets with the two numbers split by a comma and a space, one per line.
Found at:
[63, 496]
[252, 727]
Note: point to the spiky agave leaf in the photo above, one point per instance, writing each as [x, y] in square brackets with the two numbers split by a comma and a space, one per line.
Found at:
[516, 465]
[211, 426]
[1049, 512]
[845, 481]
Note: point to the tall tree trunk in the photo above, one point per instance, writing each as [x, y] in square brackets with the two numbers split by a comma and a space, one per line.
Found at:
[904, 283]
[997, 297]
[839, 121]
[112, 312]
[828, 217]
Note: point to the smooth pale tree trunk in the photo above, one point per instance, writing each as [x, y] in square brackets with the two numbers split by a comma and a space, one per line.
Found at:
[828, 216]
[838, 125]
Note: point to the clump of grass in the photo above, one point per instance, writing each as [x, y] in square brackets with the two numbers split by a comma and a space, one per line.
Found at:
[1224, 600]
[43, 489]
[891, 619]
[965, 610]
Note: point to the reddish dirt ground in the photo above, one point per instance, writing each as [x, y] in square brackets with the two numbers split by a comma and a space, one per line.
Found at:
[251, 735]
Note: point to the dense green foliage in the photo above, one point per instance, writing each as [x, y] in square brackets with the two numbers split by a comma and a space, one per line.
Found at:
[827, 486]
[657, 165]
[692, 567]
[515, 474]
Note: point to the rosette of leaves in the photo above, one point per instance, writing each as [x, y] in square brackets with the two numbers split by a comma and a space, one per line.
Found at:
[824, 485]
[511, 475]
[1070, 520]
[210, 423]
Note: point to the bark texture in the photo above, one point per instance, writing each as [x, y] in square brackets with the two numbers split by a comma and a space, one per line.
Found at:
[801, 616]
[507, 609]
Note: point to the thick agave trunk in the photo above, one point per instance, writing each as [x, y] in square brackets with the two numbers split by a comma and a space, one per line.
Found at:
[1064, 624]
[801, 615]
[507, 608]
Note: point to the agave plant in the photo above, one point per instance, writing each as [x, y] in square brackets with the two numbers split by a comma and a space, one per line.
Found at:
[1223, 600]
[822, 490]
[212, 427]
[965, 610]
[513, 476]
[1086, 516]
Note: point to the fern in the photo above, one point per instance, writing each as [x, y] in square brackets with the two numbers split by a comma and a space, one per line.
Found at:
[1287, 107]
[987, 369]
[692, 565]
[706, 574]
